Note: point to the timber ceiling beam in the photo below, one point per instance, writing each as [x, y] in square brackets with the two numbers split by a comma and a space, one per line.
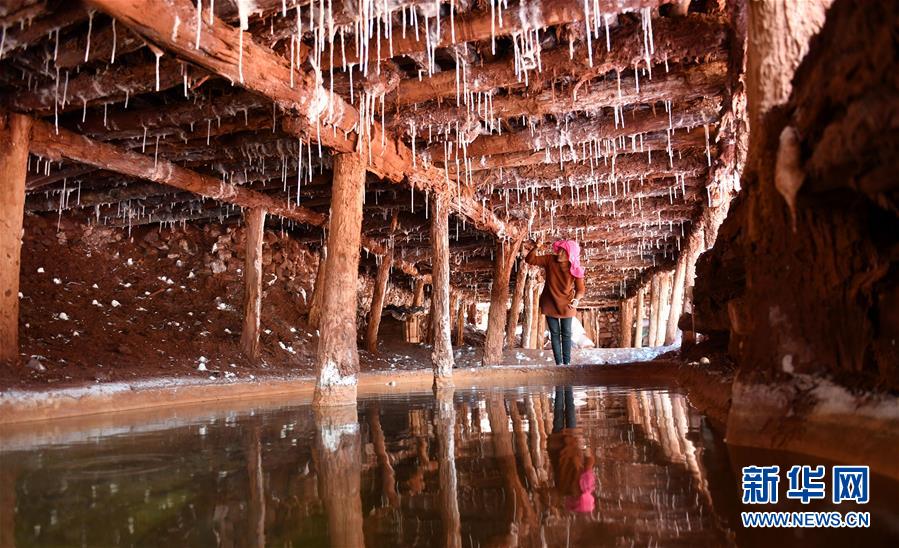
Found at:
[319, 114]
[697, 36]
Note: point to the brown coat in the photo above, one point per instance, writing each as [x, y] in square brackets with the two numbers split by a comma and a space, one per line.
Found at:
[560, 286]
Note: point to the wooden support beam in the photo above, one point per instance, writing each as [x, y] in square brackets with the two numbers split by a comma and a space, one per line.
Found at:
[442, 352]
[664, 305]
[14, 135]
[677, 296]
[654, 304]
[106, 85]
[319, 114]
[460, 322]
[594, 129]
[626, 323]
[337, 358]
[694, 37]
[706, 80]
[479, 26]
[68, 14]
[56, 144]
[527, 330]
[654, 144]
[35, 182]
[517, 298]
[252, 275]
[640, 314]
[318, 290]
[413, 324]
[506, 251]
[379, 291]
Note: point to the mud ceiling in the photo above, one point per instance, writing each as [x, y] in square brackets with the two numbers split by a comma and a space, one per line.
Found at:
[613, 125]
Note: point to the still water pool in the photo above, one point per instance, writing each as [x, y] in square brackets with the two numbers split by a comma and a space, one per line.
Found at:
[530, 466]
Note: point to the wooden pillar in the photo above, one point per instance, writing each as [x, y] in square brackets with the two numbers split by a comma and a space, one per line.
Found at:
[337, 358]
[473, 312]
[315, 308]
[653, 309]
[460, 323]
[413, 333]
[338, 454]
[626, 323]
[528, 327]
[444, 431]
[517, 297]
[638, 328]
[15, 132]
[540, 337]
[379, 292]
[442, 349]
[499, 299]
[664, 305]
[677, 296]
[252, 286]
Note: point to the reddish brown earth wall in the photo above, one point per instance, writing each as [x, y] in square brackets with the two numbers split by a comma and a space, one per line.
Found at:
[822, 297]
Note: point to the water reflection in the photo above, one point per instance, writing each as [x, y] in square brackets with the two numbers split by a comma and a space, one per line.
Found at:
[536, 466]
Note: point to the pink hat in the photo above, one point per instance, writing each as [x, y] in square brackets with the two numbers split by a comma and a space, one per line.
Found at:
[574, 255]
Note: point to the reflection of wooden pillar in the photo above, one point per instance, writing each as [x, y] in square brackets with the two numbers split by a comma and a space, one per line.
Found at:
[442, 351]
[315, 308]
[252, 302]
[388, 477]
[520, 509]
[444, 426]
[499, 299]
[338, 452]
[337, 358]
[379, 292]
[256, 506]
[15, 132]
[8, 474]
[515, 309]
[638, 327]
[626, 323]
[521, 444]
[653, 309]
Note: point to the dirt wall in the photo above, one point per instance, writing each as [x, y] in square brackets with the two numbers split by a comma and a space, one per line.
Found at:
[804, 276]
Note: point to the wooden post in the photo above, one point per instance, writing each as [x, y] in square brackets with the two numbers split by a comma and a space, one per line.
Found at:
[528, 327]
[252, 300]
[517, 297]
[677, 296]
[15, 132]
[539, 321]
[337, 358]
[473, 312]
[338, 460]
[664, 305]
[541, 331]
[379, 292]
[499, 299]
[626, 323]
[460, 323]
[442, 350]
[413, 333]
[638, 328]
[315, 308]
[653, 309]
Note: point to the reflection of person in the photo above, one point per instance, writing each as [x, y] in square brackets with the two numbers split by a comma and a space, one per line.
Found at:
[563, 290]
[572, 465]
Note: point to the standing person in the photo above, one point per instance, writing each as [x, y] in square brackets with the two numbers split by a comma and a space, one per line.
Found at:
[563, 290]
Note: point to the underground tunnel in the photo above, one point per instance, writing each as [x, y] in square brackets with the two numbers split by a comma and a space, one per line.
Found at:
[449, 272]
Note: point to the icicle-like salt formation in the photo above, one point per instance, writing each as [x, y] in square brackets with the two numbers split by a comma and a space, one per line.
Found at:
[90, 26]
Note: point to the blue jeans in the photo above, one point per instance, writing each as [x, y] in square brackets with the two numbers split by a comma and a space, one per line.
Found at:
[560, 337]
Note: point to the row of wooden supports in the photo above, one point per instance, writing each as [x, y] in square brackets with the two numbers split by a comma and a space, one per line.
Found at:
[667, 292]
